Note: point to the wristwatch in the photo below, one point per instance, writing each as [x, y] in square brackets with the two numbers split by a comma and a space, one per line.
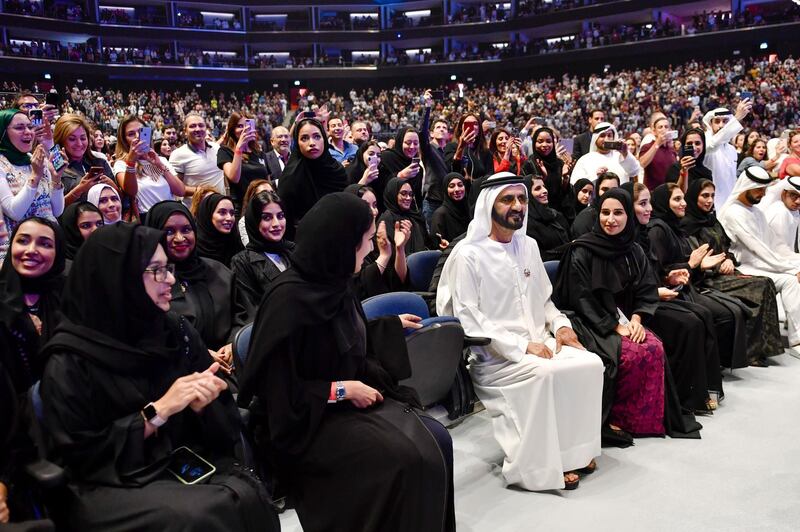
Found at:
[339, 391]
[150, 415]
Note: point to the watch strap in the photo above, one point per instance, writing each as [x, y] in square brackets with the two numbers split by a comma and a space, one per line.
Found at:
[150, 415]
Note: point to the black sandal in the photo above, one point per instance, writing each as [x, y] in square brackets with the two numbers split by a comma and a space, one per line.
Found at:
[589, 469]
[570, 485]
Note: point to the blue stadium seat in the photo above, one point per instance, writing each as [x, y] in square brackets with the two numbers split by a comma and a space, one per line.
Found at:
[420, 269]
[551, 266]
[241, 343]
[395, 303]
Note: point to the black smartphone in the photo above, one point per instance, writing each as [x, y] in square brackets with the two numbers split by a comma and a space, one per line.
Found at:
[676, 288]
[437, 96]
[36, 116]
[613, 144]
[189, 467]
[415, 160]
[95, 172]
[52, 98]
[351, 159]
[309, 114]
[687, 151]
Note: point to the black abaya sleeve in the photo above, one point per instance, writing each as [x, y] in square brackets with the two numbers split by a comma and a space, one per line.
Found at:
[645, 300]
[662, 248]
[595, 311]
[387, 359]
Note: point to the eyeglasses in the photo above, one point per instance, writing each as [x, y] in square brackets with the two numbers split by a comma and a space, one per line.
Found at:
[29, 106]
[405, 194]
[509, 200]
[160, 273]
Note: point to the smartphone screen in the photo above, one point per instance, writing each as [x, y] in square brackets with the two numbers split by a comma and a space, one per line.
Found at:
[36, 116]
[189, 467]
[58, 160]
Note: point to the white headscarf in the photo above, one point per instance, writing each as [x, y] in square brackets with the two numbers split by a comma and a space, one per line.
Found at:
[478, 230]
[719, 111]
[599, 129]
[93, 197]
[751, 178]
[774, 193]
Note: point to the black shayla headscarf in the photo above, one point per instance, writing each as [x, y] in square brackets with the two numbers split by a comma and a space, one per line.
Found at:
[577, 187]
[304, 181]
[252, 220]
[316, 289]
[606, 247]
[458, 211]
[192, 269]
[210, 242]
[696, 218]
[14, 286]
[128, 333]
[73, 239]
[699, 170]
[662, 211]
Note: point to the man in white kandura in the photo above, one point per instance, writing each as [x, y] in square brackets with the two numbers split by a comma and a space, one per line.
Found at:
[758, 249]
[783, 212]
[542, 389]
[721, 126]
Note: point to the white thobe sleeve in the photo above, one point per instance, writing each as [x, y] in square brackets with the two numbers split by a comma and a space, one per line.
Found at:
[466, 307]
[782, 224]
[631, 166]
[724, 135]
[554, 318]
[738, 228]
[581, 171]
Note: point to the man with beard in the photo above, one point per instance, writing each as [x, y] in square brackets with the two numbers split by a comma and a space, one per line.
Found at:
[721, 126]
[541, 387]
[195, 162]
[758, 249]
[278, 156]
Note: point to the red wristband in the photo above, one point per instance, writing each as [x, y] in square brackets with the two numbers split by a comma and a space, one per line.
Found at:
[332, 395]
[237, 151]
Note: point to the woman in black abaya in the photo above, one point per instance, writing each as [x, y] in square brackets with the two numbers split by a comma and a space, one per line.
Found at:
[80, 219]
[399, 200]
[310, 174]
[105, 365]
[544, 161]
[327, 403]
[217, 232]
[452, 218]
[547, 226]
[758, 293]
[205, 292]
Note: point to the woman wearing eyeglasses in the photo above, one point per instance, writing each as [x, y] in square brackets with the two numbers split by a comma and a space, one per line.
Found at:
[127, 386]
[30, 186]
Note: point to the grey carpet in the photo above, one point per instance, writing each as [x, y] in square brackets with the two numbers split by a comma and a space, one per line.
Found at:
[741, 476]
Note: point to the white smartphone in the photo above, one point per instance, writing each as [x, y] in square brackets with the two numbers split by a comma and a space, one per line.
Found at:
[146, 136]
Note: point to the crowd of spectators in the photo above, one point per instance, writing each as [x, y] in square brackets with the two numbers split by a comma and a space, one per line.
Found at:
[33, 8]
[484, 12]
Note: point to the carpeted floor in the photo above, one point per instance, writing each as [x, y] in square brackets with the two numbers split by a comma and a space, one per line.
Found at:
[743, 475]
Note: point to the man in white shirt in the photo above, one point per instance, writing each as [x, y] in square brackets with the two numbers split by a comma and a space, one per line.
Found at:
[604, 157]
[721, 157]
[757, 249]
[542, 389]
[783, 215]
[195, 162]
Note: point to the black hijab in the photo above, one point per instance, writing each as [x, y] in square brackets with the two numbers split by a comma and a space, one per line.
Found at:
[699, 170]
[457, 211]
[210, 242]
[551, 162]
[356, 169]
[394, 158]
[73, 239]
[128, 332]
[14, 286]
[252, 221]
[642, 236]
[316, 289]
[192, 269]
[661, 210]
[606, 249]
[304, 181]
[696, 218]
[577, 187]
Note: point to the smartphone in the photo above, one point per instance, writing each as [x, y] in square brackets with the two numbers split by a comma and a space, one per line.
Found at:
[146, 136]
[351, 159]
[188, 467]
[672, 134]
[415, 160]
[309, 114]
[437, 96]
[539, 121]
[251, 123]
[473, 126]
[95, 171]
[747, 95]
[492, 124]
[52, 98]
[676, 288]
[58, 160]
[36, 116]
[687, 151]
[374, 160]
[613, 144]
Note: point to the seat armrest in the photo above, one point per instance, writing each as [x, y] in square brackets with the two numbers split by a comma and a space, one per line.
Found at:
[46, 474]
[476, 341]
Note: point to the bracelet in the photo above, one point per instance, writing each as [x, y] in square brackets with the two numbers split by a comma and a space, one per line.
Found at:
[130, 169]
[237, 151]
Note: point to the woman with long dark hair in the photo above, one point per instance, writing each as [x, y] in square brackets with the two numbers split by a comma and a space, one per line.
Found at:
[240, 157]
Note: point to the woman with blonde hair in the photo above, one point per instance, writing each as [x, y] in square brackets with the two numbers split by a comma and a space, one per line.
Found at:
[85, 168]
